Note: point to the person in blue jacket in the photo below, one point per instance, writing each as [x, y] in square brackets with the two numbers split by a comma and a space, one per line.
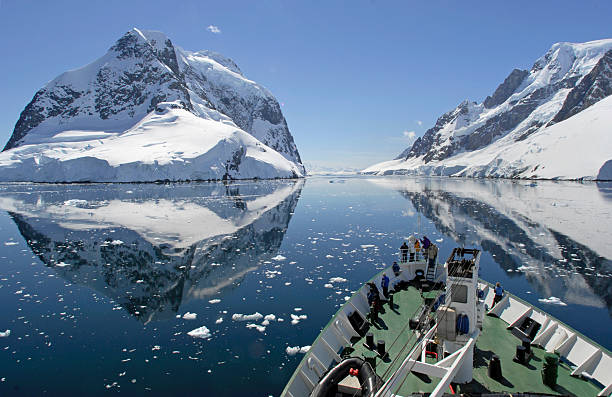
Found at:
[396, 269]
[384, 283]
[499, 293]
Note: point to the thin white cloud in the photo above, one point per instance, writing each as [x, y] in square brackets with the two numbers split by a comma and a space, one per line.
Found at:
[419, 122]
[213, 29]
[410, 135]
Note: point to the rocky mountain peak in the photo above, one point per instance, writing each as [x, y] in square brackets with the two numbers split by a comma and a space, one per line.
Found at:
[592, 88]
[507, 88]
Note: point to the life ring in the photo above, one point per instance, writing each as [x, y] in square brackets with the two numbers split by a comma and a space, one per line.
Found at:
[328, 385]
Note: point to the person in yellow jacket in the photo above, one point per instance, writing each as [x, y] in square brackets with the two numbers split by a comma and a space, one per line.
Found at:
[417, 248]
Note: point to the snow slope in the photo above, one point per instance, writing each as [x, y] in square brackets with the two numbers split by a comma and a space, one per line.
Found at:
[146, 111]
[577, 148]
[168, 143]
[512, 133]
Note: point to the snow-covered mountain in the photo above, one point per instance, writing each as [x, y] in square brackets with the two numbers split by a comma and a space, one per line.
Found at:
[552, 122]
[148, 110]
[152, 247]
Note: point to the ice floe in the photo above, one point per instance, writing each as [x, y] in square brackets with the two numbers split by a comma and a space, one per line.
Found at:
[337, 280]
[189, 316]
[62, 264]
[295, 319]
[247, 317]
[5, 334]
[259, 328]
[279, 258]
[292, 351]
[213, 301]
[203, 332]
[553, 300]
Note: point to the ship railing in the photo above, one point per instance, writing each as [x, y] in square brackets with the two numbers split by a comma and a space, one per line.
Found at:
[589, 359]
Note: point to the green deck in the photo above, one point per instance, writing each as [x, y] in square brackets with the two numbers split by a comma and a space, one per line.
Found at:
[495, 339]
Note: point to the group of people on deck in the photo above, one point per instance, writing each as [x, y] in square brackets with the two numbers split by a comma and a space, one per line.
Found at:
[413, 248]
[411, 251]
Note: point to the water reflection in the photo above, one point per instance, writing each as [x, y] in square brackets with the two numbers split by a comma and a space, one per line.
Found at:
[557, 234]
[152, 247]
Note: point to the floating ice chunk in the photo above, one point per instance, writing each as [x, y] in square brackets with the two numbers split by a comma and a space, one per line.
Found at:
[288, 283]
[62, 264]
[189, 316]
[202, 332]
[247, 317]
[259, 328]
[5, 334]
[553, 300]
[525, 268]
[328, 285]
[116, 242]
[297, 309]
[335, 239]
[156, 347]
[279, 258]
[329, 256]
[270, 317]
[9, 243]
[337, 280]
[296, 319]
[219, 320]
[75, 202]
[213, 301]
[439, 240]
[139, 281]
[292, 351]
[364, 246]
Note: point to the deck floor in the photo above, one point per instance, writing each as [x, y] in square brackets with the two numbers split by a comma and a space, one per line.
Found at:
[495, 339]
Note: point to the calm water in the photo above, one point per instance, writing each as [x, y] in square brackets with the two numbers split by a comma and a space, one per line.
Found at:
[95, 279]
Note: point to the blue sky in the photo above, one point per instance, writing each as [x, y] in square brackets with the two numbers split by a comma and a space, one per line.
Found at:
[355, 78]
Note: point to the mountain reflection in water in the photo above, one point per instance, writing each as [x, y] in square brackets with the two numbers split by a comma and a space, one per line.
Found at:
[152, 247]
[556, 233]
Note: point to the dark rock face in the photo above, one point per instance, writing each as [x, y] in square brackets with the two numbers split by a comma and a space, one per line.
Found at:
[507, 88]
[244, 110]
[145, 77]
[594, 87]
[500, 124]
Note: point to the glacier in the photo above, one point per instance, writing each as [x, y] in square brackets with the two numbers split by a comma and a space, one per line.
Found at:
[149, 111]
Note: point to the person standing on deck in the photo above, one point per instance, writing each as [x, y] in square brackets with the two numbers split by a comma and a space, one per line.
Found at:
[384, 283]
[404, 252]
[426, 244]
[411, 241]
[499, 294]
[432, 253]
[396, 269]
[417, 248]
